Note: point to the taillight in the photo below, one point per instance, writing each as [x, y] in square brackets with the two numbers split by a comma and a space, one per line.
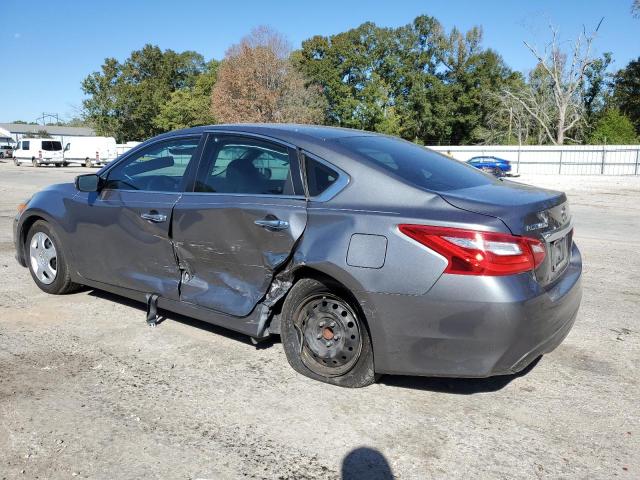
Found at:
[98, 156]
[471, 252]
[39, 153]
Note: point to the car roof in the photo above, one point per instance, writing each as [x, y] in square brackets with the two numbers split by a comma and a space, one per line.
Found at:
[289, 132]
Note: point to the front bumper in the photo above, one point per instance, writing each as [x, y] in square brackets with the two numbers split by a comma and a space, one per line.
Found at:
[468, 326]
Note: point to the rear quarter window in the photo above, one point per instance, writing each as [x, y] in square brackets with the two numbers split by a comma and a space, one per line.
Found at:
[319, 177]
[416, 165]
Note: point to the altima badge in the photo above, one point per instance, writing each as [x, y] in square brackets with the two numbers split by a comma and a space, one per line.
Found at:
[544, 222]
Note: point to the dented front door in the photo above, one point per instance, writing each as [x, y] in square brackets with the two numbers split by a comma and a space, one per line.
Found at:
[238, 228]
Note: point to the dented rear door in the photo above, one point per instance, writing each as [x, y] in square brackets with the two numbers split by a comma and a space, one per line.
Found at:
[240, 224]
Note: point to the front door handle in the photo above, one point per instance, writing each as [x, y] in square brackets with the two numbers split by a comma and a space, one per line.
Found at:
[154, 217]
[272, 224]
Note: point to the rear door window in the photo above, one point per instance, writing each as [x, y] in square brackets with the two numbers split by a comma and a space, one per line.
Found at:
[414, 164]
[51, 146]
[247, 166]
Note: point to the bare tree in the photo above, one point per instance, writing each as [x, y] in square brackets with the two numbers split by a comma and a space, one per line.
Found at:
[556, 102]
[635, 8]
[257, 83]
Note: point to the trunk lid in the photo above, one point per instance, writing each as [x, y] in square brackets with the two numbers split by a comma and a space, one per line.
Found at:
[527, 211]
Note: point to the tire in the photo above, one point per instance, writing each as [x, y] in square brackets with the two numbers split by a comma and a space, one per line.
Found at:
[35, 162]
[58, 283]
[57, 165]
[16, 162]
[336, 346]
[87, 163]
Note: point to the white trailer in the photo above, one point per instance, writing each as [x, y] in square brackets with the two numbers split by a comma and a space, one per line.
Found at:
[90, 151]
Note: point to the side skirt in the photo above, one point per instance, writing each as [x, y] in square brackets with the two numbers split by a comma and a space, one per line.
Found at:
[248, 325]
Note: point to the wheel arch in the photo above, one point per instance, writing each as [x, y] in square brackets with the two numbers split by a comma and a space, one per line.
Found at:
[24, 227]
[345, 284]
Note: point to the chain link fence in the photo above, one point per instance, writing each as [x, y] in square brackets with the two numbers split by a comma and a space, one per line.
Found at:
[561, 160]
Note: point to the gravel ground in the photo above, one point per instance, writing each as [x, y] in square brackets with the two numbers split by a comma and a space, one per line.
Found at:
[88, 390]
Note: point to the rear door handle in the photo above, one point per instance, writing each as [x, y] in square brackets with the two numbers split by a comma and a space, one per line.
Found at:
[154, 217]
[272, 224]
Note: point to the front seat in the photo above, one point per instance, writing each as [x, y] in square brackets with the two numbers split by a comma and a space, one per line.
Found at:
[244, 177]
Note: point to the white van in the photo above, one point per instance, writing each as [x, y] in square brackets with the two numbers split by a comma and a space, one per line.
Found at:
[90, 151]
[38, 151]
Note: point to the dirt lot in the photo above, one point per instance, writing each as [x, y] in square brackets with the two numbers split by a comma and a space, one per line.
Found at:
[88, 390]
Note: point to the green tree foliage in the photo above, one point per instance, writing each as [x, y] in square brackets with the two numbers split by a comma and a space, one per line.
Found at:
[125, 98]
[190, 106]
[415, 81]
[614, 128]
[626, 92]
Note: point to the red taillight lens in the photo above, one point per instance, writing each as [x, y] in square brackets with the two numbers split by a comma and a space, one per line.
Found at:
[471, 252]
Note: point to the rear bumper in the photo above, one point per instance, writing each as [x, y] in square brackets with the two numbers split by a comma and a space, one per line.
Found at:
[469, 326]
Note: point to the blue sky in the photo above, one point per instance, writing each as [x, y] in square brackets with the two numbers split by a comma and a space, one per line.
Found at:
[48, 47]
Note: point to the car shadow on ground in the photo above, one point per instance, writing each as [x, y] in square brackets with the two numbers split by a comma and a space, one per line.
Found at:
[176, 317]
[458, 386]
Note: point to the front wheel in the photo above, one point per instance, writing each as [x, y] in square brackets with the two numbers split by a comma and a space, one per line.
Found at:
[16, 162]
[87, 163]
[35, 163]
[325, 336]
[47, 263]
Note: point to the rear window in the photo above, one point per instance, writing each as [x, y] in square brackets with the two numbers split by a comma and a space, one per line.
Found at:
[415, 164]
[51, 146]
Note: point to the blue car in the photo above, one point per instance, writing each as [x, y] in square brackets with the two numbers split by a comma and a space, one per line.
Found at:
[493, 165]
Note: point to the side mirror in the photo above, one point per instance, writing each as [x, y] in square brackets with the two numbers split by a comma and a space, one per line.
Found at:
[88, 183]
[67, 147]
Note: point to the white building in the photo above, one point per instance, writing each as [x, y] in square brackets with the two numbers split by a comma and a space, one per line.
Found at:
[12, 132]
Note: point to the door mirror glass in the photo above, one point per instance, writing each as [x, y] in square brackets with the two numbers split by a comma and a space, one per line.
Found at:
[67, 147]
[88, 183]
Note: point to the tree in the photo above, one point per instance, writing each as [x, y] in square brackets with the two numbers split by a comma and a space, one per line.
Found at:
[564, 78]
[635, 8]
[626, 91]
[614, 128]
[125, 98]
[256, 83]
[190, 106]
[415, 81]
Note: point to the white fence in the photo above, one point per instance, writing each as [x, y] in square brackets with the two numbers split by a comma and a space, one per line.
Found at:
[552, 160]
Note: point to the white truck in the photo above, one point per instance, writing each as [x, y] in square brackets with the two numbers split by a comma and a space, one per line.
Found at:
[90, 151]
[38, 151]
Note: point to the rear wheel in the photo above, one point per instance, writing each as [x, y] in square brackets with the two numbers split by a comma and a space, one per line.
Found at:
[87, 162]
[16, 162]
[324, 335]
[35, 162]
[46, 260]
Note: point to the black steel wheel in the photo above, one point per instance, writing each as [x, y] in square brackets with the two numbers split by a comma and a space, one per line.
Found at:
[324, 336]
[330, 334]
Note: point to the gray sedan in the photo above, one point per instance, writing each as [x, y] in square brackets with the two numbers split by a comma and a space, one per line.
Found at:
[367, 254]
